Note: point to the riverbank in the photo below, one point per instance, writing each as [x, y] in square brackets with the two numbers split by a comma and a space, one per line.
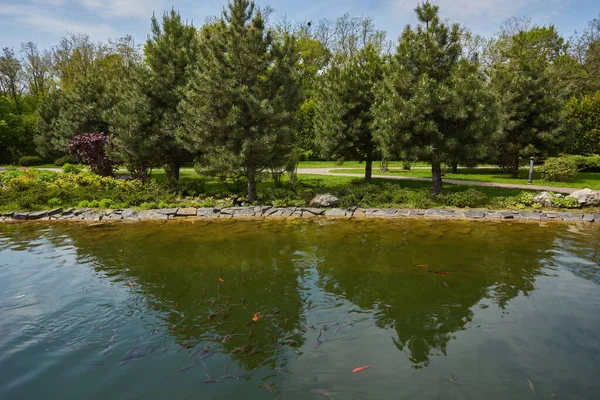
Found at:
[259, 212]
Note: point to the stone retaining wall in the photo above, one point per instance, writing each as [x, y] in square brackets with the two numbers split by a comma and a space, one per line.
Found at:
[291, 212]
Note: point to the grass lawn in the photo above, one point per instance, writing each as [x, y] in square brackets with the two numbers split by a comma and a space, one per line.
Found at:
[582, 180]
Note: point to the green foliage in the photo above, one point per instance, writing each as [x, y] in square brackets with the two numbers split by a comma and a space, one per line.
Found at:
[524, 75]
[585, 115]
[54, 202]
[433, 104]
[565, 202]
[586, 163]
[305, 136]
[467, 198]
[73, 169]
[343, 107]
[241, 103]
[559, 169]
[28, 161]
[59, 162]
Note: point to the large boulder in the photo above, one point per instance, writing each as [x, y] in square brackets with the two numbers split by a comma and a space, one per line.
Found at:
[324, 200]
[586, 197]
[544, 199]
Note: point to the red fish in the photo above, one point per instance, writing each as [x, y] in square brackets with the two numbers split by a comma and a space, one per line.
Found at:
[130, 284]
[358, 369]
[221, 280]
[256, 317]
[441, 272]
[421, 265]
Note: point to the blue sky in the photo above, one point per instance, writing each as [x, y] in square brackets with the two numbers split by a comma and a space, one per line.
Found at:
[45, 21]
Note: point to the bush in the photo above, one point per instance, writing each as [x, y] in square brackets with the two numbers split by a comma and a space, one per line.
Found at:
[560, 169]
[586, 163]
[565, 202]
[54, 202]
[73, 169]
[68, 159]
[466, 198]
[91, 147]
[105, 203]
[28, 161]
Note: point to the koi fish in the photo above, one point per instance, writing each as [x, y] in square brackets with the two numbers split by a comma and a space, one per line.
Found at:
[186, 368]
[321, 392]
[220, 279]
[107, 350]
[362, 368]
[228, 377]
[440, 272]
[421, 265]
[130, 284]
[531, 387]
[256, 317]
[270, 387]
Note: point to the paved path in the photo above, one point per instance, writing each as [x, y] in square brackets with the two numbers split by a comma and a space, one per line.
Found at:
[326, 171]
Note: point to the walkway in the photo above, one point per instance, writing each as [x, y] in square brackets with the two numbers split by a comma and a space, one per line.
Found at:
[326, 171]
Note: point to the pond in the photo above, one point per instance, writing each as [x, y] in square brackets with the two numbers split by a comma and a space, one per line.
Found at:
[289, 309]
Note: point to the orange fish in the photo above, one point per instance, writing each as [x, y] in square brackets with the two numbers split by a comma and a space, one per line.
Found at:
[358, 369]
[421, 265]
[130, 284]
[221, 280]
[256, 317]
[442, 272]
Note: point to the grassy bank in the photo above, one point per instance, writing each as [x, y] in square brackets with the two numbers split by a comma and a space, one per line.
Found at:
[581, 180]
[42, 189]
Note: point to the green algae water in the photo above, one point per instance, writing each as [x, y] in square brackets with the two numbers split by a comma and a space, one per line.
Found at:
[288, 309]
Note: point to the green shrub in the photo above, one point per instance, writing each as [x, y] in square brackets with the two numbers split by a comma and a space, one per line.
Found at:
[465, 198]
[151, 205]
[105, 203]
[73, 169]
[59, 162]
[586, 163]
[560, 169]
[55, 202]
[565, 202]
[28, 161]
[83, 204]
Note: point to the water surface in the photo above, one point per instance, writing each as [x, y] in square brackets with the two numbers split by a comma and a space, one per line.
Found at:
[439, 309]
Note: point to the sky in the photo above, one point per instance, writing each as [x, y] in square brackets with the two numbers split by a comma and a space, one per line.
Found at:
[45, 21]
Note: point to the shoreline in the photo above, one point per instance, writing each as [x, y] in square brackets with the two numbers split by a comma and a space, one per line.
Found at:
[268, 212]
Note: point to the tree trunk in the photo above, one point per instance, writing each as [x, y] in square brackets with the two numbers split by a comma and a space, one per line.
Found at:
[436, 173]
[369, 170]
[454, 165]
[251, 186]
[515, 167]
[172, 171]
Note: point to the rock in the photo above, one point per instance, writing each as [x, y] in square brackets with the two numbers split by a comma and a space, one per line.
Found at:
[507, 215]
[130, 214]
[586, 197]
[38, 215]
[324, 200]
[361, 212]
[544, 199]
[113, 216]
[8, 214]
[80, 211]
[434, 212]
[313, 211]
[384, 212]
[352, 208]
[533, 216]
[56, 211]
[186, 212]
[474, 214]
[570, 216]
[335, 213]
[69, 211]
[152, 214]
[167, 211]
[588, 218]
[206, 212]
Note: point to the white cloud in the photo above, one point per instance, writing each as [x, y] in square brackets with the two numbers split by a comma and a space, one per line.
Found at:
[141, 9]
[40, 20]
[483, 16]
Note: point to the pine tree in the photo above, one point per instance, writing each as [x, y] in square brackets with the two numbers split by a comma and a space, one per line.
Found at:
[343, 104]
[241, 102]
[433, 103]
[169, 53]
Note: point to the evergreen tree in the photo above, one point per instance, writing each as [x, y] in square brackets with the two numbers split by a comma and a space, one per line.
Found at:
[343, 103]
[241, 102]
[433, 103]
[169, 52]
[532, 96]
